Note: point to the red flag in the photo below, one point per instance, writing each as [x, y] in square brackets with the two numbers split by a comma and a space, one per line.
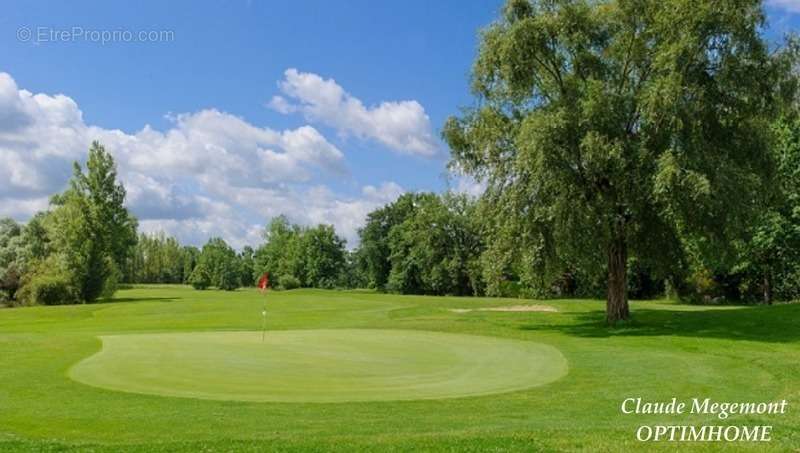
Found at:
[263, 282]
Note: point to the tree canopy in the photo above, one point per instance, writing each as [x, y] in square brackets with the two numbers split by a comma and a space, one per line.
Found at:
[606, 130]
[301, 256]
[628, 149]
[76, 250]
[11, 257]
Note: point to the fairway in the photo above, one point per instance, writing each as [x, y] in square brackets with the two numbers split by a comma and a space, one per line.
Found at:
[168, 368]
[319, 365]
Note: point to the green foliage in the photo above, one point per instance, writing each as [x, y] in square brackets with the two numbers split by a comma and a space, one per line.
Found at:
[315, 256]
[609, 129]
[422, 244]
[353, 275]
[200, 277]
[324, 256]
[770, 260]
[191, 255]
[111, 222]
[46, 289]
[12, 257]
[76, 243]
[288, 281]
[280, 252]
[374, 249]
[229, 275]
[219, 261]
[247, 266]
[89, 230]
[435, 250]
[34, 236]
[157, 258]
[49, 282]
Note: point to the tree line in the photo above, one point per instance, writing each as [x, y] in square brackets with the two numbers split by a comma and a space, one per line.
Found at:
[629, 149]
[85, 246]
[294, 256]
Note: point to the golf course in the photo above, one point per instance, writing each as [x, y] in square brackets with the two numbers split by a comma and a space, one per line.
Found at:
[167, 368]
[450, 226]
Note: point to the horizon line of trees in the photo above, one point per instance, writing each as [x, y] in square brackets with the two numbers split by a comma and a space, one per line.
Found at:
[623, 156]
[86, 245]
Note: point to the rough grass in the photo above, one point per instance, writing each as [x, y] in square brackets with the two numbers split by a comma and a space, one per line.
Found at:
[669, 350]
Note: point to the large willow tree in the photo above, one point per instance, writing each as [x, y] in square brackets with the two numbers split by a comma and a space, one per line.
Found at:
[606, 129]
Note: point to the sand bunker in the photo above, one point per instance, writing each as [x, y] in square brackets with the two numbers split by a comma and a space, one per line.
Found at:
[518, 308]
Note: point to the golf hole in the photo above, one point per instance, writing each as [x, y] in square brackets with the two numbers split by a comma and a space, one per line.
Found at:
[318, 365]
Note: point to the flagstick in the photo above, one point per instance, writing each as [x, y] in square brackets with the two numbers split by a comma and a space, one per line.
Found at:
[264, 321]
[263, 282]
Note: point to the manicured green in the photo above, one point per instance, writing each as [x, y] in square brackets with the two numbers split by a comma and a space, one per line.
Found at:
[325, 365]
[669, 350]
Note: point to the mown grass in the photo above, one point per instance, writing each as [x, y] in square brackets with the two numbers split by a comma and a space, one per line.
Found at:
[669, 350]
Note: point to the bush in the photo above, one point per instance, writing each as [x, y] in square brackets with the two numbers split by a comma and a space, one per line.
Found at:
[326, 283]
[48, 290]
[199, 279]
[288, 281]
[228, 278]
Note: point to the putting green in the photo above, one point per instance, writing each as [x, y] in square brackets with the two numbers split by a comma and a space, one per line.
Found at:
[318, 365]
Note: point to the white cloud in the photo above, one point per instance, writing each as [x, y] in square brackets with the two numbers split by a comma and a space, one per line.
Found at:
[385, 193]
[39, 137]
[216, 144]
[460, 182]
[401, 125]
[468, 185]
[792, 6]
[23, 208]
[281, 105]
[210, 173]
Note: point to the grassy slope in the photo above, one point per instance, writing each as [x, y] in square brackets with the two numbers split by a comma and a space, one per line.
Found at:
[725, 353]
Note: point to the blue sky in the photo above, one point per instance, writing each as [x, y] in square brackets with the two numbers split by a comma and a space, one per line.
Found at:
[203, 144]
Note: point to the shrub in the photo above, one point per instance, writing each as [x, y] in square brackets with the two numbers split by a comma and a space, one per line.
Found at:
[48, 290]
[288, 281]
[199, 279]
[326, 283]
[228, 277]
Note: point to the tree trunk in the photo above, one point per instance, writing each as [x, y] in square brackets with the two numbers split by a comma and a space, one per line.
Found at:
[617, 301]
[767, 289]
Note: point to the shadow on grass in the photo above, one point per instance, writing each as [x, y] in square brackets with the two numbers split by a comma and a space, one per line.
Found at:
[776, 323]
[137, 299]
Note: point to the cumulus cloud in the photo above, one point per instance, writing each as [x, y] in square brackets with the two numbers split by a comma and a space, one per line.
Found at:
[401, 125]
[792, 6]
[214, 144]
[40, 136]
[209, 174]
[22, 208]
